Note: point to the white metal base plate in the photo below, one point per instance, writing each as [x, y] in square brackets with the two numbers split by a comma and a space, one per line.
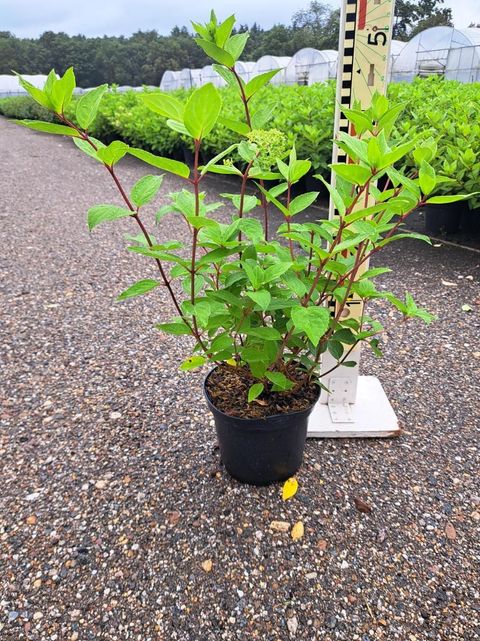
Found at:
[372, 414]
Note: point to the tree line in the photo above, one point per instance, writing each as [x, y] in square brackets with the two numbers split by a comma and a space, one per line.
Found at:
[143, 57]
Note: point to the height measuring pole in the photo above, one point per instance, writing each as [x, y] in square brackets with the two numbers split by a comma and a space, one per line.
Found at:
[356, 405]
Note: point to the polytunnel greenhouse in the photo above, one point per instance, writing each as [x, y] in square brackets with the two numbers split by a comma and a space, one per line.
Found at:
[210, 75]
[245, 70]
[10, 86]
[442, 51]
[268, 63]
[395, 50]
[190, 78]
[309, 65]
[170, 80]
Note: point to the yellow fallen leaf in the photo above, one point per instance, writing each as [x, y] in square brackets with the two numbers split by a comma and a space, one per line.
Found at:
[297, 531]
[232, 362]
[290, 488]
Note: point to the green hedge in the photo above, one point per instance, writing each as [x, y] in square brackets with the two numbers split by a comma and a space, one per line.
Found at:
[447, 110]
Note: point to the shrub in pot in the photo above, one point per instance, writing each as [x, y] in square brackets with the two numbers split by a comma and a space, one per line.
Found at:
[253, 300]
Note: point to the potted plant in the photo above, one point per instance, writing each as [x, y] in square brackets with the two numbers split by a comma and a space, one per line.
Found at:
[253, 298]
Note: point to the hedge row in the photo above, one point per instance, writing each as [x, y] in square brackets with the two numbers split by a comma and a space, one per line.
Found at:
[447, 110]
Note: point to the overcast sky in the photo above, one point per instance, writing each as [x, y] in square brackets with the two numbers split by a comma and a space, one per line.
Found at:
[30, 18]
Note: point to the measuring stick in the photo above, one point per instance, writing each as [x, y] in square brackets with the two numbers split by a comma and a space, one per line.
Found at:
[364, 52]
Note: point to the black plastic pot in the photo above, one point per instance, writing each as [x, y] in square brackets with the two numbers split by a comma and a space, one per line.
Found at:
[471, 221]
[260, 451]
[443, 217]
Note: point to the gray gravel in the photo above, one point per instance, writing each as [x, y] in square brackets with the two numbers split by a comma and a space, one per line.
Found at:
[113, 501]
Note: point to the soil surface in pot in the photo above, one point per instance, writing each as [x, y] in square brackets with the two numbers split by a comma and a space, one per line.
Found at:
[228, 390]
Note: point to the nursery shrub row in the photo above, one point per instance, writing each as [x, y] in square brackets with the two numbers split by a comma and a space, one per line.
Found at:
[447, 110]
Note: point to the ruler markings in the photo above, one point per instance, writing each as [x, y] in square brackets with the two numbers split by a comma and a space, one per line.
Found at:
[362, 70]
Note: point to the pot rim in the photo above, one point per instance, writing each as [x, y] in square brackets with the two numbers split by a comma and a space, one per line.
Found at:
[250, 420]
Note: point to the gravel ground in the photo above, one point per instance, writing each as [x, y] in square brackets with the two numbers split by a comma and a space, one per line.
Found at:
[117, 521]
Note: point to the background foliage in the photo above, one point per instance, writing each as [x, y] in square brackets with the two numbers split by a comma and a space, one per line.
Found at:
[445, 109]
[143, 57]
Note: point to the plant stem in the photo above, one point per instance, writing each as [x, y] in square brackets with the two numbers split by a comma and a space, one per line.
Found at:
[83, 134]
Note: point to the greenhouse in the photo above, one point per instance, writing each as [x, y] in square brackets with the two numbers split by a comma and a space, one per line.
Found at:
[309, 65]
[190, 78]
[442, 51]
[245, 69]
[210, 75]
[170, 80]
[395, 50]
[268, 63]
[9, 85]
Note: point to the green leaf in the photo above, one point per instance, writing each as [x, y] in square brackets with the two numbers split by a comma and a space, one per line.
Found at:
[102, 213]
[179, 127]
[254, 273]
[50, 81]
[201, 310]
[37, 94]
[202, 111]
[445, 200]
[356, 174]
[88, 104]
[140, 287]
[202, 221]
[229, 170]
[177, 329]
[345, 335]
[335, 194]
[265, 333]
[235, 125]
[298, 169]
[262, 298]
[254, 392]
[279, 380]
[192, 363]
[224, 30]
[275, 271]
[216, 158]
[164, 104]
[48, 127]
[426, 177]
[262, 116]
[355, 148]
[201, 30]
[62, 90]
[374, 153]
[335, 348]
[145, 189]
[87, 148]
[216, 53]
[273, 200]
[314, 321]
[303, 201]
[173, 166]
[251, 227]
[360, 119]
[226, 74]
[114, 152]
[259, 81]
[388, 119]
[236, 44]
[374, 271]
[297, 285]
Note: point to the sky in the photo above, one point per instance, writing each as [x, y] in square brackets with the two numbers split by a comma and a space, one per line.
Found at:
[30, 18]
